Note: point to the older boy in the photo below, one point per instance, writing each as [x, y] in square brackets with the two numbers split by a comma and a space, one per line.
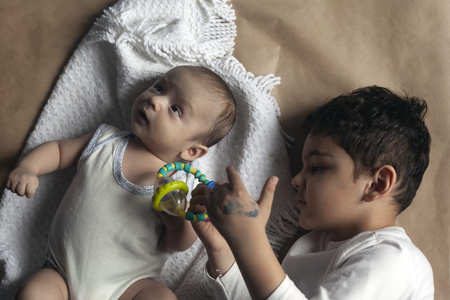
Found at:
[363, 161]
[104, 239]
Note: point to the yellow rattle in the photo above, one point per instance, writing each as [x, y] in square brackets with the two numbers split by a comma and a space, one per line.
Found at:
[170, 195]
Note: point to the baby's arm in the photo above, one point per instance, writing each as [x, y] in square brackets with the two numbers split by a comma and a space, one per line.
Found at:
[178, 233]
[45, 158]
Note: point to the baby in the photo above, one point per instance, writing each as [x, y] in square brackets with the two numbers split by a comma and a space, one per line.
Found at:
[106, 241]
[363, 160]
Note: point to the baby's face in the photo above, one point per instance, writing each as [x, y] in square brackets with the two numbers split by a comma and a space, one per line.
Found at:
[170, 112]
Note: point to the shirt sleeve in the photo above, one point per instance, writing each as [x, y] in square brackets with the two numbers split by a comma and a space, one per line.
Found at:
[287, 291]
[229, 286]
[232, 286]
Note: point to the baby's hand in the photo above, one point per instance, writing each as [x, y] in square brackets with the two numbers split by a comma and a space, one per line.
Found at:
[234, 212]
[23, 181]
[169, 220]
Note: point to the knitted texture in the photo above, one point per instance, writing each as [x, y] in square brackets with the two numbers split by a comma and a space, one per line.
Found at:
[131, 45]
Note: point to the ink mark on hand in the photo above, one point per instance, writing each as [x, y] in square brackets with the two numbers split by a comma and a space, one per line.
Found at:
[254, 212]
[235, 207]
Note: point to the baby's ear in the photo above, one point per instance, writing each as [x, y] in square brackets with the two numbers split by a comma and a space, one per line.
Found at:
[194, 152]
[383, 183]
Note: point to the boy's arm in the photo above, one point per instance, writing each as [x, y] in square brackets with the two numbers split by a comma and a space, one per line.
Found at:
[220, 256]
[242, 221]
[45, 158]
[178, 233]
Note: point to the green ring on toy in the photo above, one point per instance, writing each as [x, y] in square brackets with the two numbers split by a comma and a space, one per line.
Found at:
[180, 186]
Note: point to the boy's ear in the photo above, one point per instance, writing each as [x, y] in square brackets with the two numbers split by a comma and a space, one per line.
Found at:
[194, 152]
[383, 182]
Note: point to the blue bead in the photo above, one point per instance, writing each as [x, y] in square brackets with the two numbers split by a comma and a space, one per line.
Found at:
[187, 168]
[189, 216]
[178, 166]
[201, 217]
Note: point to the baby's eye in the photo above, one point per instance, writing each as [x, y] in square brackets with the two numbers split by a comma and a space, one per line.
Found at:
[158, 88]
[176, 110]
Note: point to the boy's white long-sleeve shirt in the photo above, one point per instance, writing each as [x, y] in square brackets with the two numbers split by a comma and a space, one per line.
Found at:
[381, 264]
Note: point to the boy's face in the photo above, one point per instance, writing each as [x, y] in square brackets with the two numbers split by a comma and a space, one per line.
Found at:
[329, 198]
[170, 112]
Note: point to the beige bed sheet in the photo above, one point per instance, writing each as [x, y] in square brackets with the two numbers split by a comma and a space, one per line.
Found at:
[319, 48]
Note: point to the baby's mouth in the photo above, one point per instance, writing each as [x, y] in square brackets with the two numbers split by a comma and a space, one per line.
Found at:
[143, 116]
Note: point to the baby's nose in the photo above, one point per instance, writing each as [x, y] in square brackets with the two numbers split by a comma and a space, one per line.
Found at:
[156, 102]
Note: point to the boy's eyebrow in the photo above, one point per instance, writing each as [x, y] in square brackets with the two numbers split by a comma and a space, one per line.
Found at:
[319, 153]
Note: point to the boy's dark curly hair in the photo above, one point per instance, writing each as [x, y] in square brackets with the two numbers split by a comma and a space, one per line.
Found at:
[378, 127]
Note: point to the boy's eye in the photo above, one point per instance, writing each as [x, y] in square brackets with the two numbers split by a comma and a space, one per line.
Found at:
[158, 88]
[315, 169]
[176, 110]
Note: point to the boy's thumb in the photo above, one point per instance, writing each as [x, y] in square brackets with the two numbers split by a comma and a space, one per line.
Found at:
[267, 192]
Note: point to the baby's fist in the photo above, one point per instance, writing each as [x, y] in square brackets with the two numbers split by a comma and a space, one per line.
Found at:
[23, 181]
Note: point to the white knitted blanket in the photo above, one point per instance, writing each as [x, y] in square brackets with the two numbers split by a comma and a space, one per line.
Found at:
[134, 42]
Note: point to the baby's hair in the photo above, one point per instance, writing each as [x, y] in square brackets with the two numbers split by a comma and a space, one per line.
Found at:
[377, 127]
[220, 94]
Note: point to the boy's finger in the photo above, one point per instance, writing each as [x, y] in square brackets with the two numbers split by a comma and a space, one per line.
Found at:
[199, 199]
[199, 190]
[267, 193]
[207, 198]
[219, 192]
[197, 208]
[234, 179]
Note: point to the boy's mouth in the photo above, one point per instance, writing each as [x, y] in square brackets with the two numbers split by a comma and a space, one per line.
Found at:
[300, 200]
[301, 204]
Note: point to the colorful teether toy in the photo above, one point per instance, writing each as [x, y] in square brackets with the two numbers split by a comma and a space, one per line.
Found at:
[170, 195]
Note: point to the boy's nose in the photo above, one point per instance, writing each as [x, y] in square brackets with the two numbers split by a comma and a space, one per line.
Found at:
[298, 182]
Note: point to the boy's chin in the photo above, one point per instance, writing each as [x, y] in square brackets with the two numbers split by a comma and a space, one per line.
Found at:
[304, 224]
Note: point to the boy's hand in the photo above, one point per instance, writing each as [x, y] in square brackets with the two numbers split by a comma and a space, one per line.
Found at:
[234, 213]
[208, 234]
[219, 253]
[242, 221]
[23, 181]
